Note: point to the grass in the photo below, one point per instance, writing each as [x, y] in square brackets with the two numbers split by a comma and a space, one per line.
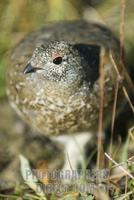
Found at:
[18, 17]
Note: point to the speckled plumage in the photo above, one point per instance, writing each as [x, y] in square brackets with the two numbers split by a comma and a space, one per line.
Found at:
[62, 98]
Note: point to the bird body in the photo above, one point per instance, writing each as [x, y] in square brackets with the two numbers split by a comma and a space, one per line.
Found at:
[53, 77]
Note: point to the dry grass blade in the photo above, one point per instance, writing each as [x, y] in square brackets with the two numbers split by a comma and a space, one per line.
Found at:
[128, 99]
[131, 160]
[122, 38]
[124, 196]
[122, 29]
[69, 161]
[100, 127]
[122, 168]
[121, 78]
[31, 180]
[126, 184]
[131, 133]
[115, 66]
[113, 114]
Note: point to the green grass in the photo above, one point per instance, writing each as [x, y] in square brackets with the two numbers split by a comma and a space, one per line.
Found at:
[18, 17]
[2, 77]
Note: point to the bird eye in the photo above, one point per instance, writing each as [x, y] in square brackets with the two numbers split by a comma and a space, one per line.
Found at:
[57, 60]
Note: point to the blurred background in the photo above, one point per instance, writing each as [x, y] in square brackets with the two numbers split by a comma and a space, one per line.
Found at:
[18, 17]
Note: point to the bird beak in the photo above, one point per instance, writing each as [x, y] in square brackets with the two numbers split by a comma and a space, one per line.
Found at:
[29, 69]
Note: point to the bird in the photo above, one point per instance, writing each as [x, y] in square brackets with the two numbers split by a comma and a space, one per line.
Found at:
[53, 82]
